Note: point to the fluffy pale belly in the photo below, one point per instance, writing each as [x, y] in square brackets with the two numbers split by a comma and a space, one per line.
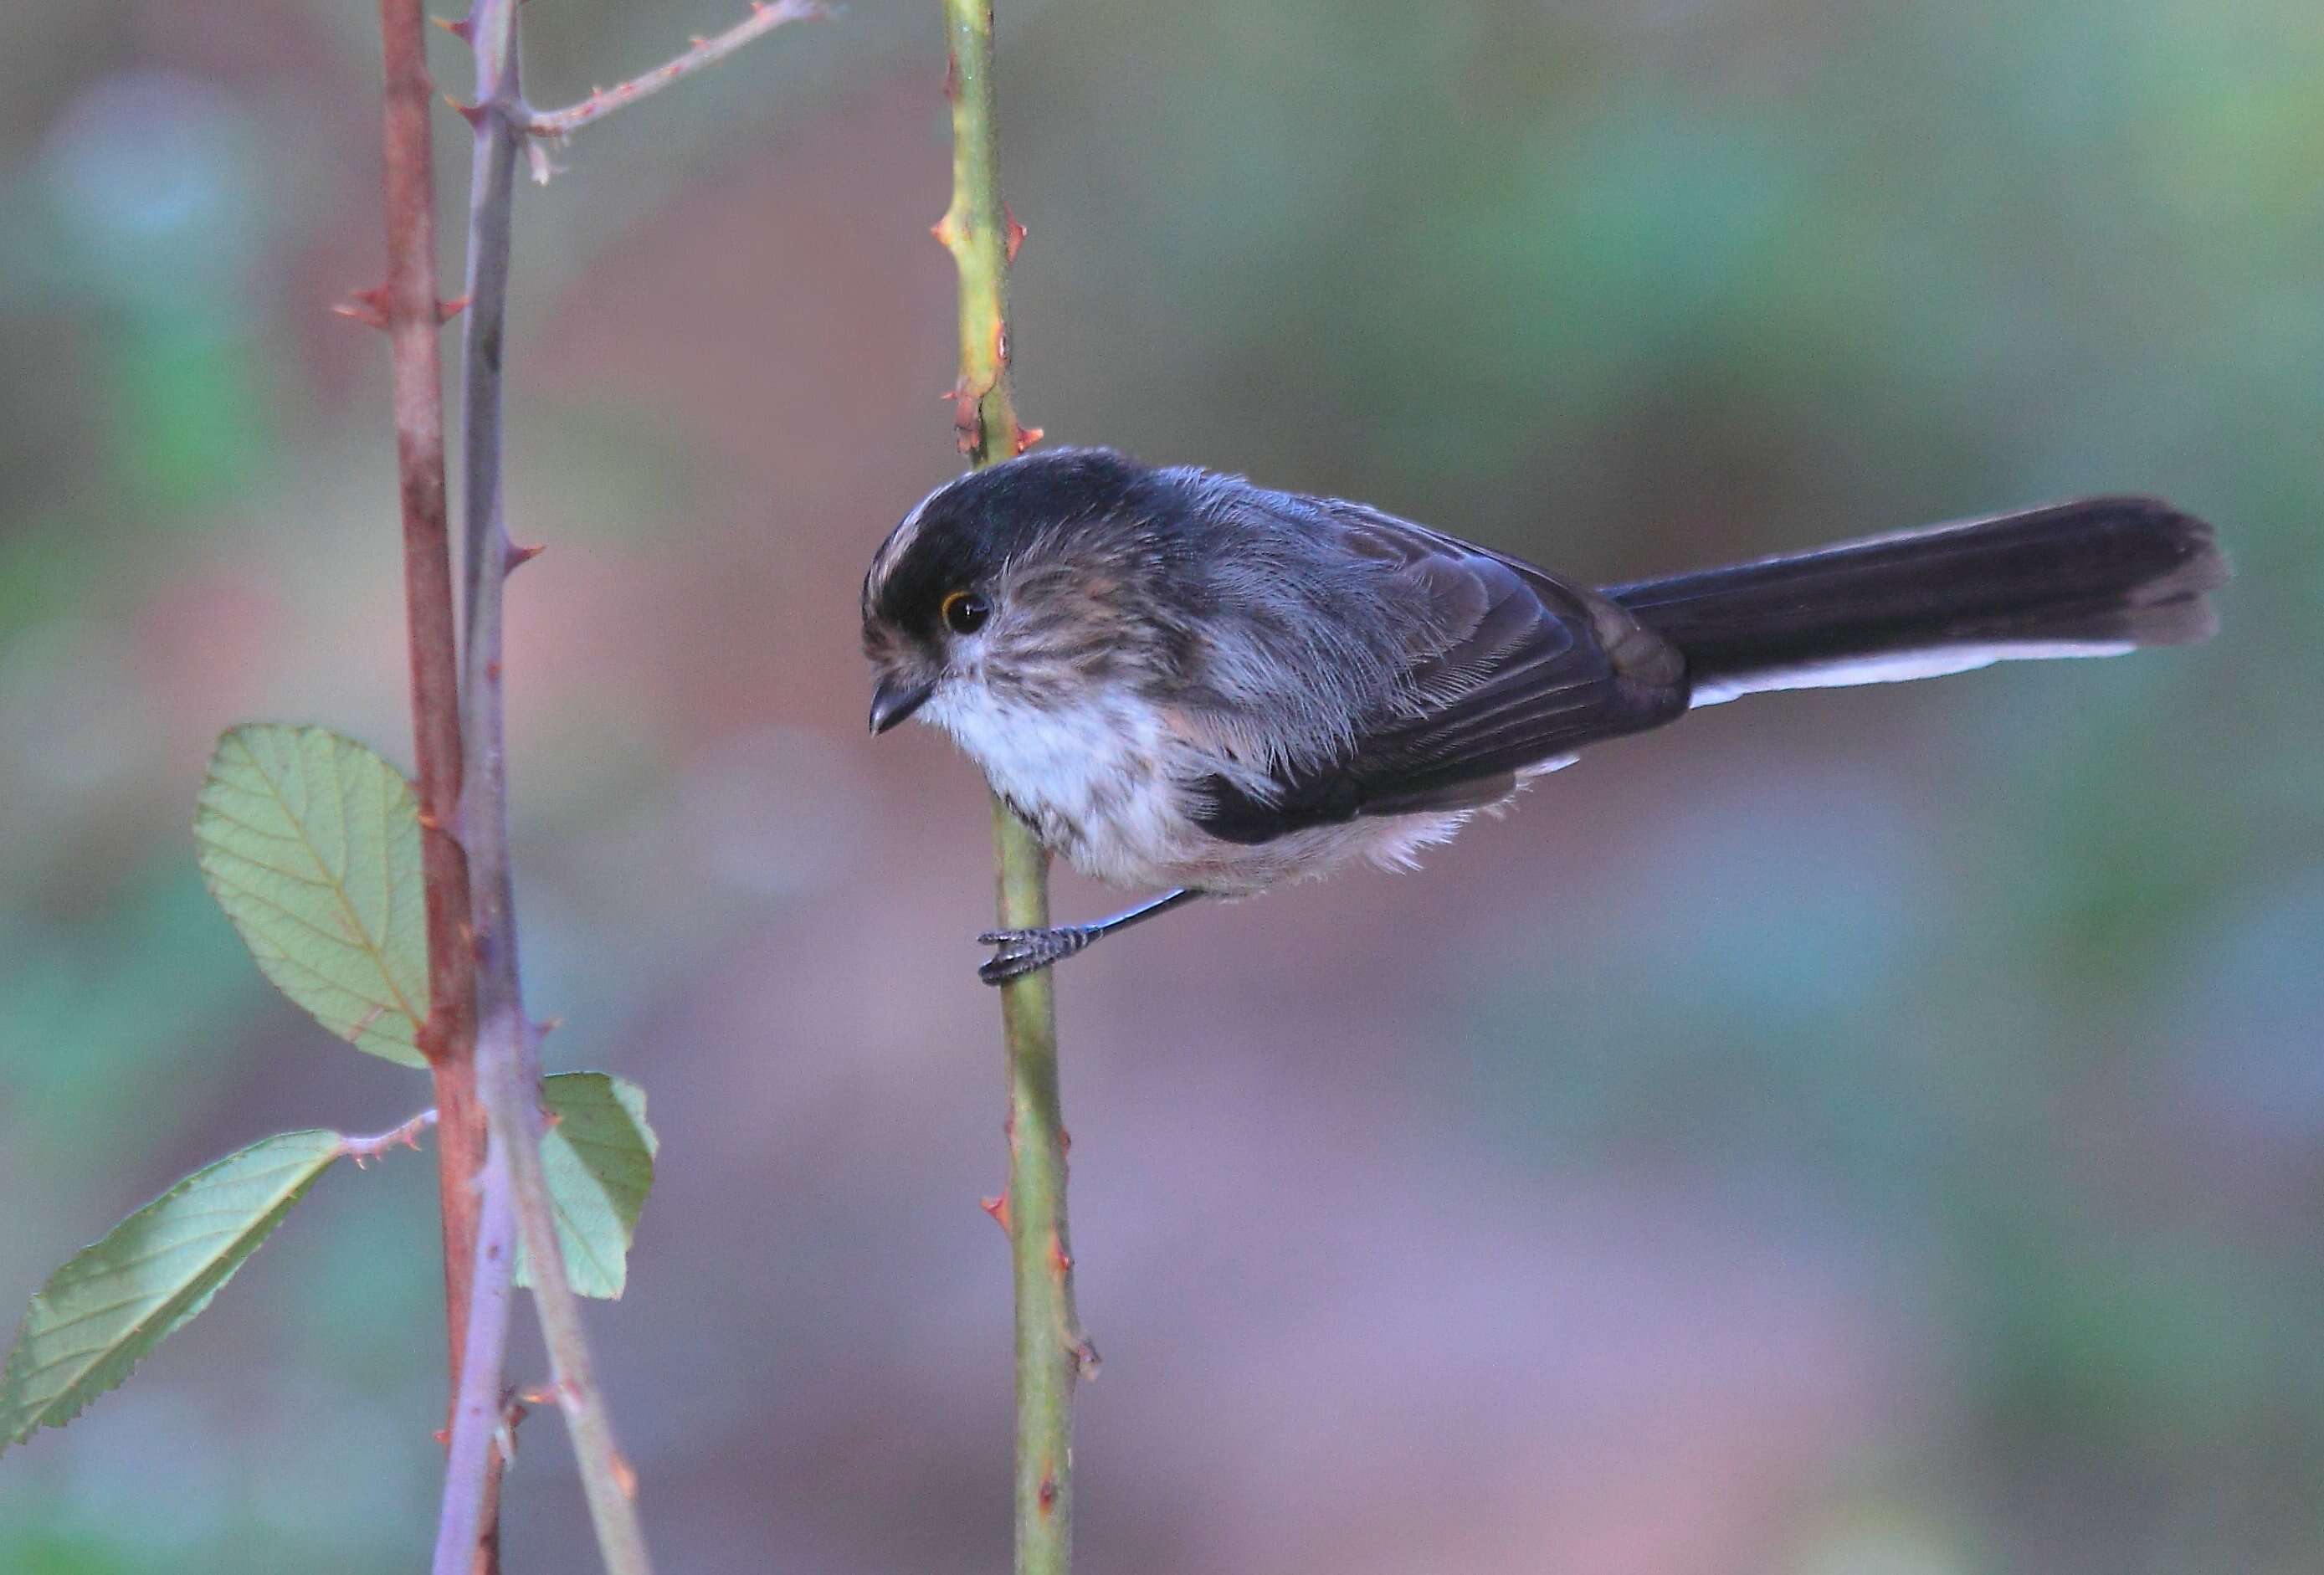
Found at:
[1102, 786]
[1089, 779]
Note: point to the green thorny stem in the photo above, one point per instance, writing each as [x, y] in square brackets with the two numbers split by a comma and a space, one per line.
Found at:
[1052, 1352]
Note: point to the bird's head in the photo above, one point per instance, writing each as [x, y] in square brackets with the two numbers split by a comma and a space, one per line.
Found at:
[1012, 583]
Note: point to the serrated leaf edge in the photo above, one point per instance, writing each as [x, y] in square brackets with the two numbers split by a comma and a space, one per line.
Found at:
[185, 1303]
[400, 1049]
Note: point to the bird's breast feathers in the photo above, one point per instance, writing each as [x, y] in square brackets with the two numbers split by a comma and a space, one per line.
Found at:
[1109, 783]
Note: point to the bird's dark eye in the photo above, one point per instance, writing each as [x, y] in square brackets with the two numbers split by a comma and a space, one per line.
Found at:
[965, 612]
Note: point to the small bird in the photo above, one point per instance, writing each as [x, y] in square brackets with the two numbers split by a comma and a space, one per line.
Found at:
[1180, 679]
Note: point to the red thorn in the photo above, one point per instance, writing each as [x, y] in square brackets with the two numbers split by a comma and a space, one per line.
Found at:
[1048, 1492]
[697, 40]
[1059, 1258]
[364, 305]
[998, 1208]
[1015, 231]
[952, 77]
[456, 26]
[443, 1436]
[445, 310]
[1001, 341]
[473, 114]
[625, 1477]
[547, 1026]
[518, 557]
[967, 422]
[1029, 435]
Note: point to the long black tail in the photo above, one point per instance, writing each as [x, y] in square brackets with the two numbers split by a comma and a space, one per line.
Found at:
[2093, 577]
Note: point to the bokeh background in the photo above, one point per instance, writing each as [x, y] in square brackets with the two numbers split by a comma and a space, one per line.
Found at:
[1856, 1133]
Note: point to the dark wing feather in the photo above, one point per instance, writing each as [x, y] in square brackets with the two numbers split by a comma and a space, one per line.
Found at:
[1507, 667]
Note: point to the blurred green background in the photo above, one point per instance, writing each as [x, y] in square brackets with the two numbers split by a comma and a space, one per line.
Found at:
[1868, 1131]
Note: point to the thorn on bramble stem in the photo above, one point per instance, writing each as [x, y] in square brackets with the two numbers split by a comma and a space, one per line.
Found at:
[625, 1476]
[518, 557]
[473, 114]
[1029, 435]
[363, 1150]
[368, 307]
[967, 419]
[998, 1208]
[445, 310]
[458, 26]
[1015, 231]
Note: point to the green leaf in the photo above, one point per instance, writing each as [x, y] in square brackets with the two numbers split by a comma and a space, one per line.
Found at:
[310, 842]
[114, 1302]
[599, 1160]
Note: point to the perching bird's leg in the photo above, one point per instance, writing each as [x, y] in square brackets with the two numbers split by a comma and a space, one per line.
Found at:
[1023, 951]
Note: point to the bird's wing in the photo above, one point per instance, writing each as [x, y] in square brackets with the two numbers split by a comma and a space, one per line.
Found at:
[1507, 667]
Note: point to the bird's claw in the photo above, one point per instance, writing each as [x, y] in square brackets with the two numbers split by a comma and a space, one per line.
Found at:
[1021, 952]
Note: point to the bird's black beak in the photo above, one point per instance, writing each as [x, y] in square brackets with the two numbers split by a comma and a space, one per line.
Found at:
[896, 697]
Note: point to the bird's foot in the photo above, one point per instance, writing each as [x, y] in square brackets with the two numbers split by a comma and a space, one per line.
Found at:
[1022, 952]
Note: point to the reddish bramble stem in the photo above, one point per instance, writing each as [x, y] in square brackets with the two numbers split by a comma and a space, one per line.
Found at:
[408, 308]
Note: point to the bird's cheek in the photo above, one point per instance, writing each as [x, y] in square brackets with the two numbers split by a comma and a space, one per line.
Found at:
[972, 663]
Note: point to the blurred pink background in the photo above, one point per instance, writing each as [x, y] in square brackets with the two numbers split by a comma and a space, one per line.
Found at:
[1865, 1133]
